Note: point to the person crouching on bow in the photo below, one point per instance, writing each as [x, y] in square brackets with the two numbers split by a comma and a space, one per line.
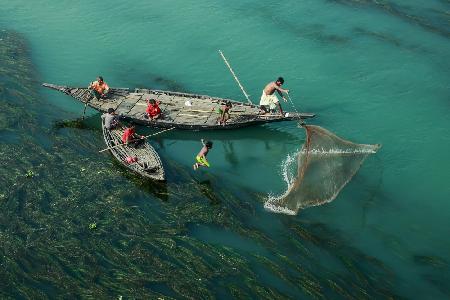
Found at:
[99, 89]
[153, 111]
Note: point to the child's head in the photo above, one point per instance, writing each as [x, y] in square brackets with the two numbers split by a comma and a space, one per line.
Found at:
[228, 104]
[152, 101]
[208, 144]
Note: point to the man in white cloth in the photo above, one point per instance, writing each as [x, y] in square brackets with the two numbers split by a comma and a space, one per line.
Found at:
[269, 100]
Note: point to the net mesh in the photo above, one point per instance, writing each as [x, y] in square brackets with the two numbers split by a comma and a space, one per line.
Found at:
[326, 163]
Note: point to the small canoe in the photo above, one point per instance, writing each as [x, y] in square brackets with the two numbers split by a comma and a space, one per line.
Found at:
[179, 110]
[148, 163]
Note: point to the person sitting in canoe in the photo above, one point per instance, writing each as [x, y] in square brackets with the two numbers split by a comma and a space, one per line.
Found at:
[153, 111]
[131, 138]
[99, 88]
[111, 119]
[268, 98]
[201, 156]
[224, 112]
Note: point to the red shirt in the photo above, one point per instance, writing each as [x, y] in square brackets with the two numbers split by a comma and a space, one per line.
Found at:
[153, 110]
[128, 133]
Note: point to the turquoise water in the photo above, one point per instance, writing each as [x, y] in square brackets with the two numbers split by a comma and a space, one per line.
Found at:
[372, 71]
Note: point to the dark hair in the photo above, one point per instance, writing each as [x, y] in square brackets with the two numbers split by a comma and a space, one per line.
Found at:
[110, 110]
[229, 104]
[100, 77]
[152, 101]
[208, 144]
[280, 80]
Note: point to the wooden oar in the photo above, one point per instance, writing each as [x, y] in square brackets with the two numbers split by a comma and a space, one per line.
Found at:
[171, 128]
[209, 111]
[85, 106]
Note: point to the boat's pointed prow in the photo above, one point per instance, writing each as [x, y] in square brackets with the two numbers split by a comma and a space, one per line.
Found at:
[55, 87]
[60, 88]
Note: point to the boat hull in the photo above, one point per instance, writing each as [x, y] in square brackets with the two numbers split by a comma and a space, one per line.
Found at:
[148, 162]
[179, 110]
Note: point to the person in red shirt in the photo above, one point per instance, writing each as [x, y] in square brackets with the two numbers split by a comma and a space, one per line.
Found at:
[131, 138]
[153, 111]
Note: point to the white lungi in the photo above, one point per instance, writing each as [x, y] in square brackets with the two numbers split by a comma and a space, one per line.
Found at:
[269, 100]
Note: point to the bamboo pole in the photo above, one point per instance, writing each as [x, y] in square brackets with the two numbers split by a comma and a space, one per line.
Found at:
[235, 77]
[150, 135]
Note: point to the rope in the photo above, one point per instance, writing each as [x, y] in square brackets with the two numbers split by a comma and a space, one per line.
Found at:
[301, 123]
[235, 77]
[292, 102]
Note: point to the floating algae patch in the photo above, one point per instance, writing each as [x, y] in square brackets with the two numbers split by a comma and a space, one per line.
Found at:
[76, 123]
[137, 75]
[219, 236]
[359, 275]
[47, 218]
[432, 261]
[315, 32]
[67, 227]
[391, 8]
[391, 39]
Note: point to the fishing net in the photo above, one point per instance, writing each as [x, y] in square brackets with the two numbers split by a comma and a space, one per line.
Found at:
[326, 163]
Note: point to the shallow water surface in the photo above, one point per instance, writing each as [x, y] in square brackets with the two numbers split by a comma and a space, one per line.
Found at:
[75, 223]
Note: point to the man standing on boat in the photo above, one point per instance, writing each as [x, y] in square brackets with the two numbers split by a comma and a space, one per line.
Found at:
[268, 98]
[99, 88]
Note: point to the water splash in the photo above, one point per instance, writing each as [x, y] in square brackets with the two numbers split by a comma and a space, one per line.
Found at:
[287, 173]
[326, 163]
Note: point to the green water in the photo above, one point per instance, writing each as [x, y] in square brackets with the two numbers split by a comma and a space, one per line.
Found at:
[372, 71]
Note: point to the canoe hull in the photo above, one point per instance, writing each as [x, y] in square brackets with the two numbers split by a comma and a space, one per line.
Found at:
[148, 162]
[179, 110]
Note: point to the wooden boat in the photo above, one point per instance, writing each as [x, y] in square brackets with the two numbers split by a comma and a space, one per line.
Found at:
[179, 110]
[148, 162]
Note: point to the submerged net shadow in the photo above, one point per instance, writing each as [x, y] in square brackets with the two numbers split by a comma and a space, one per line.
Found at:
[326, 163]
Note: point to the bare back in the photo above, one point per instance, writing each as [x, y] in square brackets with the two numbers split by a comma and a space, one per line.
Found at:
[203, 152]
[270, 88]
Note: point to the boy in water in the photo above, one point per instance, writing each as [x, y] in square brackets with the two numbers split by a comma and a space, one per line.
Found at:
[201, 156]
